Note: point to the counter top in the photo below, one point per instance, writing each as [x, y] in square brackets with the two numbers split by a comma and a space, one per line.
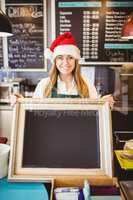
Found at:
[22, 191]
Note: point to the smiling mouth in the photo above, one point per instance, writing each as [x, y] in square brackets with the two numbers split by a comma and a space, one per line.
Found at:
[62, 67]
[65, 67]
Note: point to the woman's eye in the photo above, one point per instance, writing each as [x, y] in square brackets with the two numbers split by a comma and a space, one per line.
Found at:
[59, 57]
[70, 57]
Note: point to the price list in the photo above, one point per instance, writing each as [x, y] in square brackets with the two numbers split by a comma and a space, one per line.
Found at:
[82, 19]
[1, 53]
[97, 26]
[90, 34]
[116, 49]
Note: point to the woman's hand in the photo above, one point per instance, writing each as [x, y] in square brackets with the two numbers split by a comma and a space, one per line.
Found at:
[14, 98]
[109, 99]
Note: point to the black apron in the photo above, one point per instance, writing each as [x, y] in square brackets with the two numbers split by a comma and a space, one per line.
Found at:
[55, 95]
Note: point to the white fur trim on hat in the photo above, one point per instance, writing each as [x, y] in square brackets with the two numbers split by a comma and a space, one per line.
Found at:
[66, 50]
[48, 54]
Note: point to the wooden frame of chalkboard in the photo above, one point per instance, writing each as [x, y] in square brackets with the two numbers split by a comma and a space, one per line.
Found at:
[97, 30]
[24, 51]
[55, 138]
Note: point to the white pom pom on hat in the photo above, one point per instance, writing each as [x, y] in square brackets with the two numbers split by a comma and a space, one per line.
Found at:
[48, 54]
[63, 44]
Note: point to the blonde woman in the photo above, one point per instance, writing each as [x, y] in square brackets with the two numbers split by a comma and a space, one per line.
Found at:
[64, 78]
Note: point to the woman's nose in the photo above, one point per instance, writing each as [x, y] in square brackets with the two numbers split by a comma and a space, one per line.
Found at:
[65, 60]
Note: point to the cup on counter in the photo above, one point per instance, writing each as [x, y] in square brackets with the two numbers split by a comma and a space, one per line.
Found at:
[4, 154]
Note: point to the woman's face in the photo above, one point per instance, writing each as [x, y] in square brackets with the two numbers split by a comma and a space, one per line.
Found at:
[65, 64]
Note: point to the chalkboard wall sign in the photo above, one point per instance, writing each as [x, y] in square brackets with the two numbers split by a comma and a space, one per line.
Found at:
[1, 48]
[97, 26]
[26, 47]
[1, 53]
[61, 137]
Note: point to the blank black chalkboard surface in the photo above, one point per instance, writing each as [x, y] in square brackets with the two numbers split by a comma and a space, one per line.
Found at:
[61, 136]
[61, 139]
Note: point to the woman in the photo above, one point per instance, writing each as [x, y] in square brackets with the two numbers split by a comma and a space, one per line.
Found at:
[64, 78]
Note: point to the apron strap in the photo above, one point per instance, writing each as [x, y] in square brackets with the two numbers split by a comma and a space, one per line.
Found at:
[55, 95]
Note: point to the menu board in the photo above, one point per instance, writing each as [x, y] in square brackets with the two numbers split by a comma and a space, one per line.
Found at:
[26, 46]
[1, 53]
[1, 49]
[97, 26]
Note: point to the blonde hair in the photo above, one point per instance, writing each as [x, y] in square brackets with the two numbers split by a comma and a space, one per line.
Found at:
[82, 87]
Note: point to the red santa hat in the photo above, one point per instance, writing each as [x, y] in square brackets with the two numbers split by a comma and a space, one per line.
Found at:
[63, 45]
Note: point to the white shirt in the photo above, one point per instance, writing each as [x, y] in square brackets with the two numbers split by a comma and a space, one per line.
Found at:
[61, 88]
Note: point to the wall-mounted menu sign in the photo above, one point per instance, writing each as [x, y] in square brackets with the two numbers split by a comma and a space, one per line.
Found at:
[1, 49]
[97, 26]
[1, 53]
[26, 46]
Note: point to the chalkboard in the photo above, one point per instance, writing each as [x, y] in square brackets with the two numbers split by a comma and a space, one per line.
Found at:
[56, 137]
[61, 139]
[97, 27]
[1, 53]
[26, 46]
[23, 1]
